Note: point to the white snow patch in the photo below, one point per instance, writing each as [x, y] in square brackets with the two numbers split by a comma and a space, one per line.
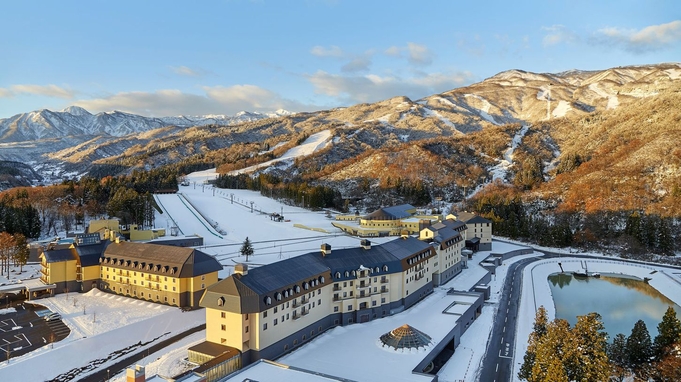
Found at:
[613, 102]
[499, 171]
[484, 112]
[432, 113]
[562, 108]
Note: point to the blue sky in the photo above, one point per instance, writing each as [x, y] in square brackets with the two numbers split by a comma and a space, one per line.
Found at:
[159, 58]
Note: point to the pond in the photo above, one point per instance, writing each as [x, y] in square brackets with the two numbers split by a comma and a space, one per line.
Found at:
[620, 300]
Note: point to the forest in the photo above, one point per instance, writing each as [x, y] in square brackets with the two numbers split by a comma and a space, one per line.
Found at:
[557, 352]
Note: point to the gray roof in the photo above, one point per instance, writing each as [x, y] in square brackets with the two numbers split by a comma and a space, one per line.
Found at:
[90, 254]
[391, 213]
[468, 217]
[61, 254]
[248, 293]
[404, 247]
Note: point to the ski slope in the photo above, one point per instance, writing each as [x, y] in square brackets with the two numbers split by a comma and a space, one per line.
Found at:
[178, 211]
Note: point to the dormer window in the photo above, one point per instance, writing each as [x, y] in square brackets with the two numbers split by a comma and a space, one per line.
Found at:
[268, 300]
[338, 275]
[221, 301]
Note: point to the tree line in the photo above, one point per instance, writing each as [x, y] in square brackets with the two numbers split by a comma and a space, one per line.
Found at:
[633, 232]
[557, 352]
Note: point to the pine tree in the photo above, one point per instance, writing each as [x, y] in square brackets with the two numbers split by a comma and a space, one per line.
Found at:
[246, 249]
[619, 359]
[591, 343]
[639, 348]
[669, 333]
[540, 326]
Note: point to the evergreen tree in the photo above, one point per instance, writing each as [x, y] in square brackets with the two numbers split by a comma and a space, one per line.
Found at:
[591, 345]
[619, 359]
[540, 326]
[669, 333]
[639, 348]
[246, 249]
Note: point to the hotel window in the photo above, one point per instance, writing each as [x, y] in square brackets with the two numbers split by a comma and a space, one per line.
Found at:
[264, 326]
[223, 315]
[276, 321]
[173, 301]
[319, 291]
[335, 309]
[319, 302]
[203, 277]
[349, 307]
[223, 327]
[264, 314]
[173, 289]
[382, 300]
[275, 309]
[223, 341]
[246, 328]
[203, 286]
[246, 316]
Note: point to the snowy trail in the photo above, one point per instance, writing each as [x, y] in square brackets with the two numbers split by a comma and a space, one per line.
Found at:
[190, 224]
[313, 143]
[499, 171]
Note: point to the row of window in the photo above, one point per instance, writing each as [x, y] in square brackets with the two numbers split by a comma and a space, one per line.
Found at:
[148, 295]
[127, 273]
[296, 289]
[353, 272]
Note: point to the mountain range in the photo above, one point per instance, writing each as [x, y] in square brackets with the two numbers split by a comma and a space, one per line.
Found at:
[454, 141]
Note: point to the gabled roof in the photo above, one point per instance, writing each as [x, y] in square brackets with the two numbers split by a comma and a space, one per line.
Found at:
[90, 254]
[468, 217]
[391, 213]
[404, 247]
[187, 262]
[349, 259]
[60, 254]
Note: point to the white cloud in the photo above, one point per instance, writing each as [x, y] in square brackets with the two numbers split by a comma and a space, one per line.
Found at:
[416, 54]
[332, 51]
[215, 100]
[187, 71]
[43, 90]
[650, 38]
[357, 64]
[372, 88]
[557, 34]
[419, 54]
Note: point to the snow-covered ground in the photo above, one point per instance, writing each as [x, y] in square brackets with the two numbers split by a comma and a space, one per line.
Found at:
[613, 101]
[102, 324]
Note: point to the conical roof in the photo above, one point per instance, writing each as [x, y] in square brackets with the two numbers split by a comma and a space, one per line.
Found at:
[405, 337]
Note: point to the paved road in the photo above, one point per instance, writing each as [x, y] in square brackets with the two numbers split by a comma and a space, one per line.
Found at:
[497, 365]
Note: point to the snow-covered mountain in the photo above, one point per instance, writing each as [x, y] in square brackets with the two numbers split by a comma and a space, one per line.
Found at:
[76, 121]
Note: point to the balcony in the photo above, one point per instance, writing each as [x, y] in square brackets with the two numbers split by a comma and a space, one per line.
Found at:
[363, 285]
[336, 297]
[305, 312]
[384, 290]
[384, 280]
[45, 271]
[336, 288]
[295, 315]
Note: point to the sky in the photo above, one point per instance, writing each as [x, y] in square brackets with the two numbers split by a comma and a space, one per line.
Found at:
[163, 58]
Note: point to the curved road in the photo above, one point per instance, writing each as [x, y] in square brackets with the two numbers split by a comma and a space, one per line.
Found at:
[497, 364]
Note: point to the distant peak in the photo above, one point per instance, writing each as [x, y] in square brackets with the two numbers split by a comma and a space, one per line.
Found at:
[76, 110]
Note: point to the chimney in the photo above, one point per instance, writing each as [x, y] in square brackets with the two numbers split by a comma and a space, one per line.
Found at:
[366, 244]
[326, 249]
[135, 374]
[241, 269]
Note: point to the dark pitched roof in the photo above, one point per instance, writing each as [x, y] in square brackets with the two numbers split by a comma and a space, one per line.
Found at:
[468, 217]
[61, 254]
[90, 254]
[391, 213]
[349, 259]
[267, 279]
[404, 247]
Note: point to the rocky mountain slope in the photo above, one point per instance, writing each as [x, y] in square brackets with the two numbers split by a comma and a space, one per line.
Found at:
[453, 142]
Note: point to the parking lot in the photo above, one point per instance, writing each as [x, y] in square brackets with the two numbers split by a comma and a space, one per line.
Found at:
[26, 330]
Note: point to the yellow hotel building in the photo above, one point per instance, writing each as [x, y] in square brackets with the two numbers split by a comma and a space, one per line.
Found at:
[159, 273]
